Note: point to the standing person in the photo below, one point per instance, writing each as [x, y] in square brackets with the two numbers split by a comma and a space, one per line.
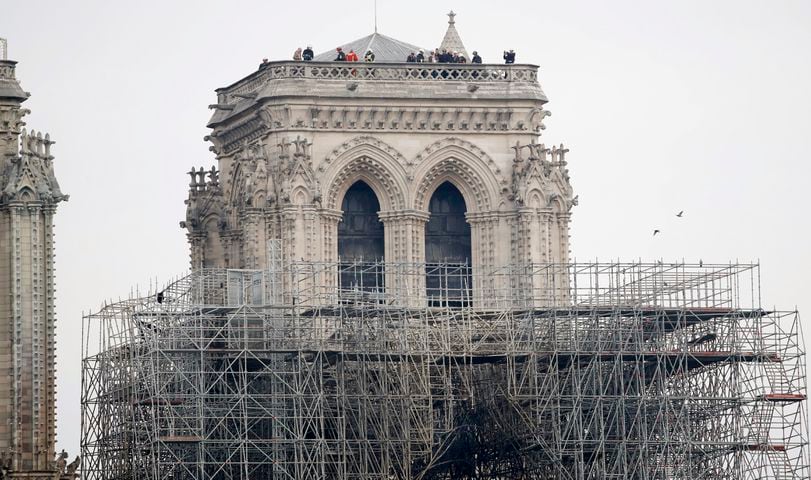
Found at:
[264, 63]
[341, 55]
[351, 56]
[307, 55]
[297, 55]
[369, 56]
[420, 56]
[461, 59]
[411, 58]
[476, 57]
[509, 57]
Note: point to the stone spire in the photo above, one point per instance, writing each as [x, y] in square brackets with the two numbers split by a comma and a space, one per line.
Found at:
[452, 42]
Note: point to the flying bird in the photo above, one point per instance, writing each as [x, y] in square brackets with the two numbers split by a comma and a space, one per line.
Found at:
[680, 214]
[655, 232]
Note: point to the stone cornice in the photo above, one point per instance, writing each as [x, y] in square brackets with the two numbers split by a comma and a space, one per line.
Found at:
[369, 120]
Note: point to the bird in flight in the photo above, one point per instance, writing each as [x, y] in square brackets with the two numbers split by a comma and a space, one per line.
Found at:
[655, 232]
[680, 214]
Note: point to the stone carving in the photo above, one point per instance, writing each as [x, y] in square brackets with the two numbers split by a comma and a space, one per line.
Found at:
[302, 147]
[537, 172]
[6, 458]
[29, 176]
[536, 117]
[518, 148]
[462, 159]
[266, 118]
[288, 172]
[248, 131]
[369, 141]
[71, 468]
[61, 462]
[204, 197]
[372, 160]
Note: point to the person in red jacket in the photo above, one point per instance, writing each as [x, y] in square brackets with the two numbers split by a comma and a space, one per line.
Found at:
[351, 56]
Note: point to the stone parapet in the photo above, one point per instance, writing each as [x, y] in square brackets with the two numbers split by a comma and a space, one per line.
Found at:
[427, 81]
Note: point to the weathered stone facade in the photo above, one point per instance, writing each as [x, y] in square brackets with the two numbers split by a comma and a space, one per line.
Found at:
[293, 137]
[29, 194]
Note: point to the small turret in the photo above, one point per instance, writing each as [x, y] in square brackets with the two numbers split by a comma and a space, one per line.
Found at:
[452, 41]
[11, 112]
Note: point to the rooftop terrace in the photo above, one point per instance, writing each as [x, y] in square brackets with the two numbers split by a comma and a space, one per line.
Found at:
[379, 80]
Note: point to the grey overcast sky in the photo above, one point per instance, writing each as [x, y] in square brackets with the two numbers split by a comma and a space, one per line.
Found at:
[694, 105]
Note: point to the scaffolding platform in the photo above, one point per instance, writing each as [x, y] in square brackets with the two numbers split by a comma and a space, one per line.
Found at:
[576, 371]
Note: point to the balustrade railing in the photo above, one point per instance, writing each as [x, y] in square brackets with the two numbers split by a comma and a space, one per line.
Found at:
[423, 72]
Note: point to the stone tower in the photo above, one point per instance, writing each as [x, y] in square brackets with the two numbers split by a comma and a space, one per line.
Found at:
[402, 163]
[29, 194]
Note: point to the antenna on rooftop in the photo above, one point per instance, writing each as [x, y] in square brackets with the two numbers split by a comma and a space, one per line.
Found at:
[3, 49]
[375, 16]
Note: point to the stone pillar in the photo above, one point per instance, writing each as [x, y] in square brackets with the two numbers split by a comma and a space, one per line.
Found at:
[561, 282]
[197, 242]
[404, 232]
[254, 244]
[487, 287]
[329, 220]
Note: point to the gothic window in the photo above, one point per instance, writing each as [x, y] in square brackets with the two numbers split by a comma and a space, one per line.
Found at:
[447, 248]
[360, 242]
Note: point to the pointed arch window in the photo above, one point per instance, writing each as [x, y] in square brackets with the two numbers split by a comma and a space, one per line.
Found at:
[447, 249]
[361, 246]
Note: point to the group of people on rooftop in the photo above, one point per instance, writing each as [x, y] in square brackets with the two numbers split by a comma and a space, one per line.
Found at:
[369, 56]
[436, 56]
[306, 55]
[441, 56]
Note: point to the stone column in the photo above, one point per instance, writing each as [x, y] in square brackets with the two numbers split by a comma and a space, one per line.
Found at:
[329, 220]
[404, 237]
[253, 239]
[487, 287]
[563, 293]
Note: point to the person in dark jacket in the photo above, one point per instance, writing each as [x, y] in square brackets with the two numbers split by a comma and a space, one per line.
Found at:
[509, 57]
[476, 58]
[307, 55]
[369, 56]
[445, 57]
[411, 58]
[420, 56]
[341, 55]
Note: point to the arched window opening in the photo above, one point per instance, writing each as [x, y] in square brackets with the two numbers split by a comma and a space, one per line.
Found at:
[447, 249]
[360, 244]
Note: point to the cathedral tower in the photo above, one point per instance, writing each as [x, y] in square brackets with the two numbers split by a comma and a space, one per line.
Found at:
[392, 162]
[29, 194]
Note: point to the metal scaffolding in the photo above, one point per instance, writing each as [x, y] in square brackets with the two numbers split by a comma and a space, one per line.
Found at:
[582, 371]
